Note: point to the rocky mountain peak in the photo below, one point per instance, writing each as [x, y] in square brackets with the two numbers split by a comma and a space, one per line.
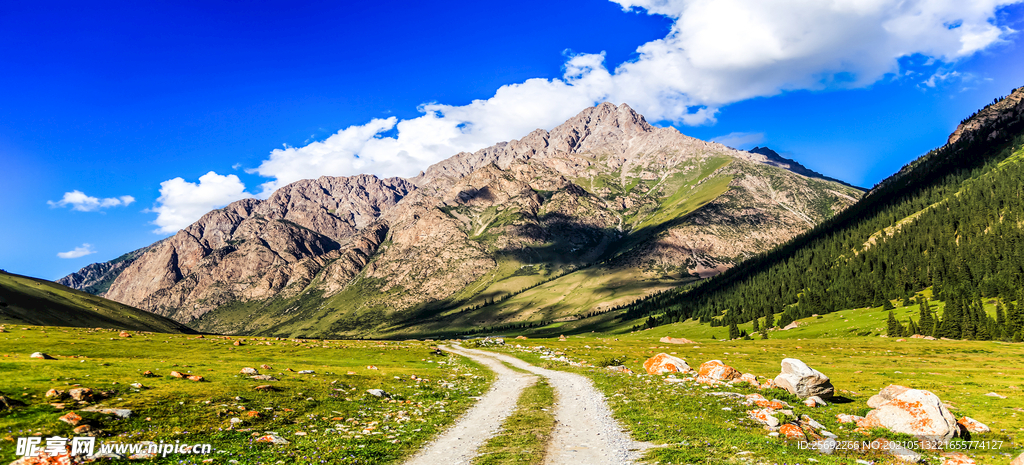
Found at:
[1006, 108]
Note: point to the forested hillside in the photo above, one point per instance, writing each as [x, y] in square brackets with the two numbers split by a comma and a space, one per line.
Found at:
[951, 220]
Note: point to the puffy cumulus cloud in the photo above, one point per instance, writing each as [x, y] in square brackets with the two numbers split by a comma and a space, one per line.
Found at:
[740, 140]
[181, 202]
[85, 249]
[717, 52]
[77, 200]
[443, 130]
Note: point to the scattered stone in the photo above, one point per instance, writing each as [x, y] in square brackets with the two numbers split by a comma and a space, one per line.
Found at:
[137, 386]
[731, 395]
[86, 430]
[793, 325]
[273, 439]
[974, 426]
[56, 394]
[750, 379]
[378, 393]
[826, 446]
[521, 337]
[124, 334]
[764, 416]
[791, 431]
[117, 412]
[266, 367]
[814, 401]
[265, 387]
[196, 379]
[665, 363]
[41, 355]
[803, 381]
[371, 367]
[1019, 460]
[992, 394]
[236, 343]
[561, 338]
[956, 458]
[306, 372]
[177, 374]
[71, 418]
[847, 418]
[676, 340]
[249, 371]
[910, 411]
[148, 374]
[263, 378]
[81, 394]
[619, 369]
[894, 449]
[714, 371]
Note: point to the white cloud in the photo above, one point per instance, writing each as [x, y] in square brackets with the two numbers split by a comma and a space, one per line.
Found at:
[740, 140]
[84, 203]
[182, 202]
[85, 249]
[718, 52]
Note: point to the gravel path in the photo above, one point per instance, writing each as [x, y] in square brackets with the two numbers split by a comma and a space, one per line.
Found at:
[459, 444]
[585, 431]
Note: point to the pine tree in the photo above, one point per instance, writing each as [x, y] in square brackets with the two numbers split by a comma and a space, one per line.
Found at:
[756, 326]
[887, 305]
[734, 331]
[925, 319]
[894, 326]
[769, 318]
[912, 328]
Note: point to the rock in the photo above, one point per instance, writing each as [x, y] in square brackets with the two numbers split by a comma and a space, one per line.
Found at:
[196, 379]
[814, 401]
[117, 412]
[826, 446]
[41, 355]
[750, 379]
[619, 369]
[803, 381]
[846, 418]
[792, 325]
[378, 393]
[124, 334]
[266, 367]
[665, 363]
[148, 374]
[915, 412]
[791, 431]
[756, 399]
[770, 384]
[901, 453]
[764, 416]
[273, 439]
[263, 378]
[71, 418]
[714, 371]
[1019, 460]
[177, 374]
[562, 338]
[992, 394]
[521, 337]
[86, 430]
[974, 426]
[675, 340]
[236, 343]
[371, 367]
[249, 371]
[956, 458]
[56, 394]
[137, 386]
[265, 387]
[306, 372]
[728, 395]
[81, 394]
[60, 459]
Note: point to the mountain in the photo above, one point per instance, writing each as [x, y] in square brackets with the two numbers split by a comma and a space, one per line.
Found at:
[597, 212]
[31, 301]
[96, 278]
[949, 222]
[775, 159]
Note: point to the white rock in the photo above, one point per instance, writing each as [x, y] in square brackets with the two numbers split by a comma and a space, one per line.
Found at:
[803, 381]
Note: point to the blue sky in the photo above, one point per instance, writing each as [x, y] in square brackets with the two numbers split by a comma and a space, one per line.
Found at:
[144, 115]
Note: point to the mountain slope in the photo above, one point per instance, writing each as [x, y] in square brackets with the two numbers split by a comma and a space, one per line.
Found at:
[96, 278]
[951, 220]
[31, 301]
[604, 192]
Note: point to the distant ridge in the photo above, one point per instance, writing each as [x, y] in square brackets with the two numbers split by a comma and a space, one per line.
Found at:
[795, 166]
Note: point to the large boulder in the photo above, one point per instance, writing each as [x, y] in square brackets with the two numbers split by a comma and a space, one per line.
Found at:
[803, 381]
[1019, 460]
[665, 363]
[915, 412]
[715, 371]
[675, 340]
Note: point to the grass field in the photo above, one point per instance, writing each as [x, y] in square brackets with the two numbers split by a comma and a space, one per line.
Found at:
[327, 416]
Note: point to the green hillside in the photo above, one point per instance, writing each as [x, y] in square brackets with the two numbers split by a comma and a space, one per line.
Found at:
[950, 222]
[32, 301]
